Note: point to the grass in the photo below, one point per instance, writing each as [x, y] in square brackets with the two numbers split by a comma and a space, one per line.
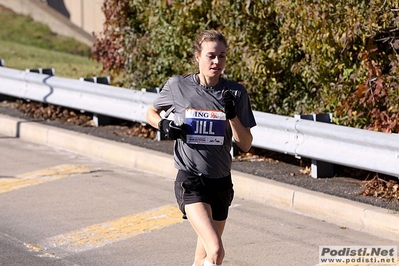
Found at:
[25, 44]
[20, 56]
[23, 30]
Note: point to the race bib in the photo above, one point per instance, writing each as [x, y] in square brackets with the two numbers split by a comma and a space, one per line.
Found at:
[205, 127]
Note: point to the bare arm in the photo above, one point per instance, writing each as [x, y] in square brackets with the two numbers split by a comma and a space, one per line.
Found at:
[153, 116]
[242, 135]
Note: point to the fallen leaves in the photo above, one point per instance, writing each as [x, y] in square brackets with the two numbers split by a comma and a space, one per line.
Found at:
[250, 157]
[307, 170]
[381, 188]
[52, 112]
[65, 115]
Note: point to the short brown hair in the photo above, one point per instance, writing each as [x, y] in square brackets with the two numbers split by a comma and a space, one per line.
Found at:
[208, 36]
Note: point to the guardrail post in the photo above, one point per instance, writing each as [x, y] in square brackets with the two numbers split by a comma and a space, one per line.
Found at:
[48, 71]
[319, 168]
[99, 119]
[2, 97]
[100, 80]
[45, 71]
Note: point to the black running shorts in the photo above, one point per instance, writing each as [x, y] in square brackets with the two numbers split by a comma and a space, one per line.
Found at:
[217, 192]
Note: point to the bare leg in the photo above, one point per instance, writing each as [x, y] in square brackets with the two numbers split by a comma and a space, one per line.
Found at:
[200, 253]
[209, 243]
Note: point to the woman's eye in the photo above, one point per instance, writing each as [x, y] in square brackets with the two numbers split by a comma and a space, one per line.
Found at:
[214, 56]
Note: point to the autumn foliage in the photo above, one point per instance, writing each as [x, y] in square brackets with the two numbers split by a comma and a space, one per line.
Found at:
[302, 56]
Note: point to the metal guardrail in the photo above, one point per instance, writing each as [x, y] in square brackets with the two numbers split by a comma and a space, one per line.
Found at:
[358, 148]
[96, 98]
[373, 151]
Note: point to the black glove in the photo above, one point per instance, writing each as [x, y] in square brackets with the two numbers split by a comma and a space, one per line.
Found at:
[169, 129]
[229, 103]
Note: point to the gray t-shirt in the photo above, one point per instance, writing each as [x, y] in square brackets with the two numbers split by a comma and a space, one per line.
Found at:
[182, 93]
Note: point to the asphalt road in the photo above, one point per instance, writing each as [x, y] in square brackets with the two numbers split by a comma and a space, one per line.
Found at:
[62, 208]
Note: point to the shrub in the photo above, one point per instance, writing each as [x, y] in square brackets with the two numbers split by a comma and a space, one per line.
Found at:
[292, 56]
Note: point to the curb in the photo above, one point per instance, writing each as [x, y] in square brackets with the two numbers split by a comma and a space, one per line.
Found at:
[345, 213]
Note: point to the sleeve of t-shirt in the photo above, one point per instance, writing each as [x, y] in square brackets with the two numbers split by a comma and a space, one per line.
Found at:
[165, 98]
[244, 111]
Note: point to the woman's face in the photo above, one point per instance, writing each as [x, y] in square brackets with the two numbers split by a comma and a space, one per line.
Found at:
[212, 60]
